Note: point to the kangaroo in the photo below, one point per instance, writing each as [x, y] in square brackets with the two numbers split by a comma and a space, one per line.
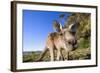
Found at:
[64, 38]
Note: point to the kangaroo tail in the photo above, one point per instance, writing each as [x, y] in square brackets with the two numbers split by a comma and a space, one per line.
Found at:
[42, 54]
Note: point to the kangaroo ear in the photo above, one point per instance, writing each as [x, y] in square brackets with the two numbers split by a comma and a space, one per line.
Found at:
[61, 27]
[57, 26]
[73, 27]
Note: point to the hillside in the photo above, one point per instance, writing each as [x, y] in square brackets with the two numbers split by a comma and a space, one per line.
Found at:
[78, 54]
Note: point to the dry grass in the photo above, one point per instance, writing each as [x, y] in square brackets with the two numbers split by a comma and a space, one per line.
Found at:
[83, 53]
[78, 54]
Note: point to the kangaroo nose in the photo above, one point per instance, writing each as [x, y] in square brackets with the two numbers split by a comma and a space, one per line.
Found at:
[73, 42]
[75, 45]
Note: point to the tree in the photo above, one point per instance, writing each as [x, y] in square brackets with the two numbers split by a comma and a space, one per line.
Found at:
[84, 26]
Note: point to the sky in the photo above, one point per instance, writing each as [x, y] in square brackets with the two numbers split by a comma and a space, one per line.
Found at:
[36, 27]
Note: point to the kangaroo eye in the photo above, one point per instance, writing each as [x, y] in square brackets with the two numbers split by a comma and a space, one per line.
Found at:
[60, 34]
[69, 42]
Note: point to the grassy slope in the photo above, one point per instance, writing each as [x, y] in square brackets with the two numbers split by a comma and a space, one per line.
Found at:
[74, 55]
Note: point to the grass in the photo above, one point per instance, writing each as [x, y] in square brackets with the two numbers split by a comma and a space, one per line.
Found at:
[78, 54]
[81, 53]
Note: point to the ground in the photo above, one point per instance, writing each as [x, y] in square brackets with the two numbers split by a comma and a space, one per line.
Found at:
[78, 54]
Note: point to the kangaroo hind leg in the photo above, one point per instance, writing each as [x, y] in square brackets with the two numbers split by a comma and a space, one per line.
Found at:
[42, 54]
[52, 53]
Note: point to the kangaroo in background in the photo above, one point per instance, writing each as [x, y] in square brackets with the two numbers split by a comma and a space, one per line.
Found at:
[64, 38]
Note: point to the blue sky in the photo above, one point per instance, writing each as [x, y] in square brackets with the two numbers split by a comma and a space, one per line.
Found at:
[36, 26]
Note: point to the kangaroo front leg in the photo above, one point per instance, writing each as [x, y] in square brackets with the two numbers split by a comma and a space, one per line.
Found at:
[52, 54]
[67, 51]
[58, 54]
[62, 57]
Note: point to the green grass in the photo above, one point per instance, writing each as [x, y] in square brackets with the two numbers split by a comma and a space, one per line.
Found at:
[81, 53]
[74, 55]
[84, 43]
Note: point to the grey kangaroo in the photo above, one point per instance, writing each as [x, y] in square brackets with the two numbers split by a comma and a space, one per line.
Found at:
[64, 38]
